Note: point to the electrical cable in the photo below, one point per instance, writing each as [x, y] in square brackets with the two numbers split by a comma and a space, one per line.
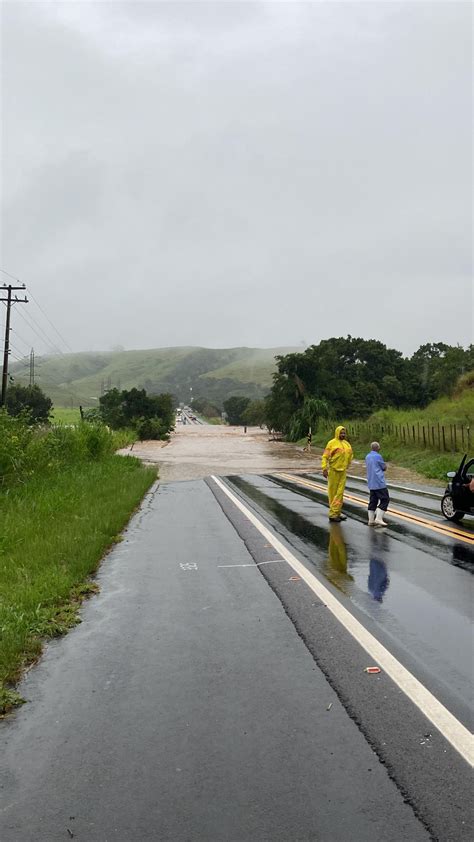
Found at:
[39, 307]
[44, 339]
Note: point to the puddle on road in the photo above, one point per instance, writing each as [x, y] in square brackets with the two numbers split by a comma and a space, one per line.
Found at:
[441, 547]
[422, 605]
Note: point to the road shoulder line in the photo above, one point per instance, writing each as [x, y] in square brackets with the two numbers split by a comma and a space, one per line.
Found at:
[447, 724]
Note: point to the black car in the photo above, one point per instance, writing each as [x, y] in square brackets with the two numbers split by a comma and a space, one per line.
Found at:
[458, 500]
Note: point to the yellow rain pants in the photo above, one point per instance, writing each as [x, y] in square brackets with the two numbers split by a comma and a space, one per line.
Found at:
[336, 486]
[336, 459]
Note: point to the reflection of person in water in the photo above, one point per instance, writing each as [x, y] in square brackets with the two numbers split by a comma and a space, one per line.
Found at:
[378, 580]
[337, 558]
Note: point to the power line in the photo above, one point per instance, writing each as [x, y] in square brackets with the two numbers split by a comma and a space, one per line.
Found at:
[20, 368]
[18, 337]
[21, 372]
[43, 338]
[50, 322]
[17, 351]
[41, 309]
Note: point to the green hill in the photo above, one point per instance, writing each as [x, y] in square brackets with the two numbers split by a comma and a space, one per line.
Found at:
[72, 379]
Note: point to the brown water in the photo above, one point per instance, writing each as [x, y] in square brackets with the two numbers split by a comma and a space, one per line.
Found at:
[195, 452]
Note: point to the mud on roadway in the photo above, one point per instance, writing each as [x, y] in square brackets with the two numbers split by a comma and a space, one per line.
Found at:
[197, 451]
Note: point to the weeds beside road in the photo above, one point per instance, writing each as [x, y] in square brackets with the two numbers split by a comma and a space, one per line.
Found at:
[65, 497]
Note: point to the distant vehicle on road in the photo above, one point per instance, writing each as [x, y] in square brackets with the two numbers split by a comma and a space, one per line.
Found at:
[458, 498]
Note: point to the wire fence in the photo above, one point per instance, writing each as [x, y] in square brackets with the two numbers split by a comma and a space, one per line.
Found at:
[448, 438]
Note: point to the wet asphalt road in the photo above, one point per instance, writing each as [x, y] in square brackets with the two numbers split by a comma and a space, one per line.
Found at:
[204, 697]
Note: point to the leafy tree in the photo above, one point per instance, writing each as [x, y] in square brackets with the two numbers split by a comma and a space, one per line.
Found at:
[31, 400]
[92, 415]
[151, 428]
[436, 367]
[112, 408]
[307, 417]
[255, 414]
[133, 407]
[206, 407]
[235, 407]
[356, 377]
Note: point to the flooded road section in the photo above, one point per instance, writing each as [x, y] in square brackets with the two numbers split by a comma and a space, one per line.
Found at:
[196, 451]
[407, 583]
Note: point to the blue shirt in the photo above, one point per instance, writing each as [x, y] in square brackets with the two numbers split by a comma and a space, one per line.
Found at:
[375, 470]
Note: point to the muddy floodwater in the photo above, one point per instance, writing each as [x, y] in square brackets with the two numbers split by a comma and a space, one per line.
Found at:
[196, 451]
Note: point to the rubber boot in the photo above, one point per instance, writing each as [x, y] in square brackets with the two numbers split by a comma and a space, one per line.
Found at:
[379, 521]
[371, 517]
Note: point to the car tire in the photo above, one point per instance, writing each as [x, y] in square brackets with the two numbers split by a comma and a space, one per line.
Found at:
[448, 510]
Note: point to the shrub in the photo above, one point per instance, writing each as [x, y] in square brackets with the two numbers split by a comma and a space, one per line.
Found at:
[15, 437]
[30, 399]
[152, 428]
[26, 451]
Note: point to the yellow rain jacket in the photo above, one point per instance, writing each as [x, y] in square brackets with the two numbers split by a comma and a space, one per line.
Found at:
[337, 453]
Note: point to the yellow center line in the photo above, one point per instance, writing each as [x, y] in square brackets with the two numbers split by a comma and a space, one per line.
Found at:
[453, 730]
[428, 524]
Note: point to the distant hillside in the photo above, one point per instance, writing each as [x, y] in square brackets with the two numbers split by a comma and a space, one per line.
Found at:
[71, 379]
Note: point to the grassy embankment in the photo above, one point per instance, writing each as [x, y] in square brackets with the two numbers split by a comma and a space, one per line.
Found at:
[64, 499]
[428, 461]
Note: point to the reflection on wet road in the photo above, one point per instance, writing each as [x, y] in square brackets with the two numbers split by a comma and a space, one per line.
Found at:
[421, 605]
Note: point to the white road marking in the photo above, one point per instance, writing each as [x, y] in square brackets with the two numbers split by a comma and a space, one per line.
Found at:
[450, 727]
[255, 564]
[189, 566]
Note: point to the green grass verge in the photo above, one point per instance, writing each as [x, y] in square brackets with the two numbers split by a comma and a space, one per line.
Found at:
[53, 534]
[458, 409]
[63, 415]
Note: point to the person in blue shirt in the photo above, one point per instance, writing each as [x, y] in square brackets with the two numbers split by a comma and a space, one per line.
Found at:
[379, 496]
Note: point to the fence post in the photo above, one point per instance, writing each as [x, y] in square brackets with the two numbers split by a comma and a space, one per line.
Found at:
[413, 430]
[433, 436]
[424, 436]
[444, 439]
[455, 439]
[462, 435]
[468, 433]
[451, 435]
[439, 442]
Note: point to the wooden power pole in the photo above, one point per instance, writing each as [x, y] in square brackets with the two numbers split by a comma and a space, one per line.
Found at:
[8, 289]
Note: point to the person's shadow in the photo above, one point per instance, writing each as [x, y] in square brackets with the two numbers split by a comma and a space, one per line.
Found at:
[379, 579]
[336, 566]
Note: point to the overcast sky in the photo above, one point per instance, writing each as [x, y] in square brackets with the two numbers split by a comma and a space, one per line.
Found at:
[224, 174]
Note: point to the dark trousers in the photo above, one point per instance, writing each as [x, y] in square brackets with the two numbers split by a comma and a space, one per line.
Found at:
[379, 496]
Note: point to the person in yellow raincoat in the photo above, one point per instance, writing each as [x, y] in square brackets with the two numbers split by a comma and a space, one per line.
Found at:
[337, 457]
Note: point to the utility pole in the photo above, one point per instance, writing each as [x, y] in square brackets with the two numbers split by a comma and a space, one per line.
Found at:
[32, 367]
[9, 301]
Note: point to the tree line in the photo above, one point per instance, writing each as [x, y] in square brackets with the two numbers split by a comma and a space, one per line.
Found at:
[340, 377]
[351, 378]
[151, 416]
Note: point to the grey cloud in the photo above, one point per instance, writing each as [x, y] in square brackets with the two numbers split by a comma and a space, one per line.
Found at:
[215, 172]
